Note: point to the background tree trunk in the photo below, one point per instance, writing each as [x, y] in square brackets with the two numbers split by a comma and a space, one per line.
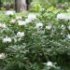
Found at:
[20, 5]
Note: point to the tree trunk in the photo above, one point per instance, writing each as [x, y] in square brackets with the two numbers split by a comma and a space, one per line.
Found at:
[20, 5]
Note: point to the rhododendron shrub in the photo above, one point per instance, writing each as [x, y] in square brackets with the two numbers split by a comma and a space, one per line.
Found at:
[36, 41]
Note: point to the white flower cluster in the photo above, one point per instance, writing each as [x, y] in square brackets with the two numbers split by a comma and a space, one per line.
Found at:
[68, 36]
[31, 16]
[69, 27]
[20, 34]
[21, 22]
[49, 63]
[48, 27]
[2, 25]
[9, 12]
[18, 17]
[63, 27]
[13, 21]
[7, 40]
[39, 25]
[29, 19]
[2, 56]
[63, 16]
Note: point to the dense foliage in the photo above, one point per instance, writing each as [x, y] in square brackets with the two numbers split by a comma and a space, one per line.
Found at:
[36, 40]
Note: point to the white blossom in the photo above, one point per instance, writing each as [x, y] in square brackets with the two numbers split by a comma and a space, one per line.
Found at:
[69, 27]
[68, 36]
[49, 63]
[39, 25]
[21, 23]
[10, 12]
[60, 16]
[31, 16]
[13, 21]
[2, 25]
[28, 20]
[18, 17]
[48, 27]
[20, 34]
[62, 27]
[2, 56]
[7, 39]
[63, 16]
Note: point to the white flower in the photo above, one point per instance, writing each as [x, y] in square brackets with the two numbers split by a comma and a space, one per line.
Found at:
[28, 20]
[69, 27]
[10, 12]
[21, 23]
[18, 17]
[31, 16]
[68, 36]
[20, 34]
[63, 16]
[7, 39]
[60, 16]
[49, 63]
[39, 25]
[13, 21]
[62, 27]
[2, 25]
[2, 56]
[48, 27]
